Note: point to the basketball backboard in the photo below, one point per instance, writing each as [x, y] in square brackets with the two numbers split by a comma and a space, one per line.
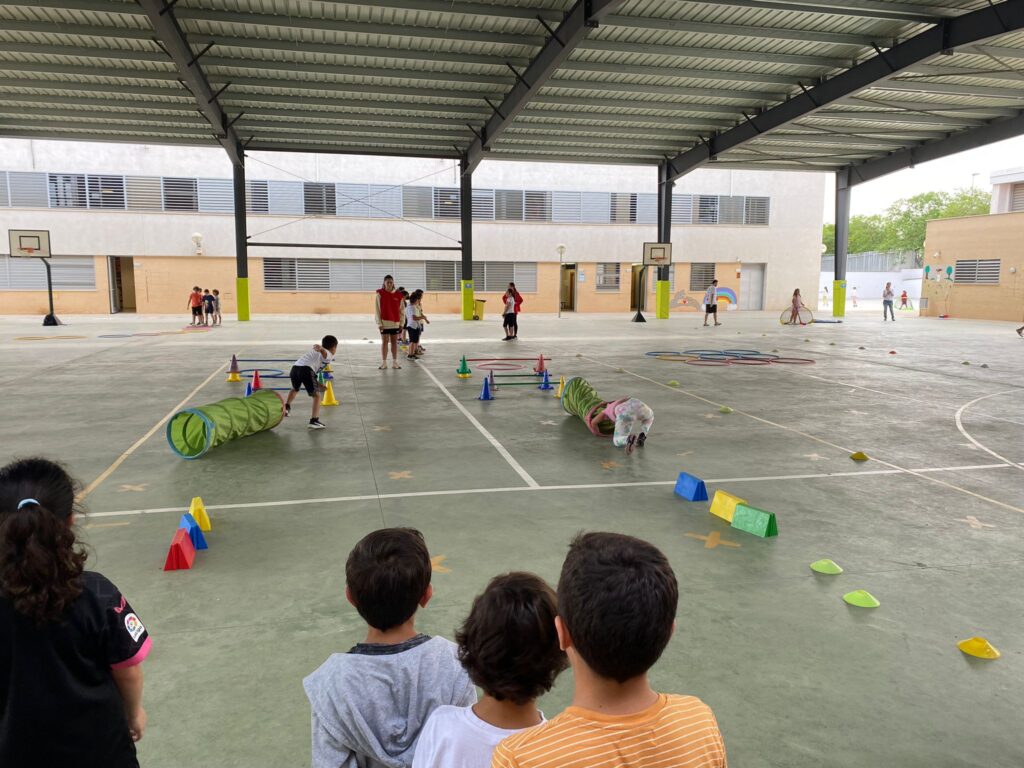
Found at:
[657, 254]
[29, 243]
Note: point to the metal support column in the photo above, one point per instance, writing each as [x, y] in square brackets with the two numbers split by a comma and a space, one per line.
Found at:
[241, 242]
[466, 220]
[843, 191]
[665, 186]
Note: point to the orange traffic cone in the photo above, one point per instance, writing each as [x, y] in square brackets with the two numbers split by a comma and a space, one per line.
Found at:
[539, 368]
[256, 380]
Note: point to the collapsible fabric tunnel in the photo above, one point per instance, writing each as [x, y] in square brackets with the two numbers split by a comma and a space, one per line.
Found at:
[194, 431]
[580, 399]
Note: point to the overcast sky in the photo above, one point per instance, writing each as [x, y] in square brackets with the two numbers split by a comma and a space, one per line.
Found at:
[939, 175]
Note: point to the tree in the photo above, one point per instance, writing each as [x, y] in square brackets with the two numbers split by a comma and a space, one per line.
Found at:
[902, 226]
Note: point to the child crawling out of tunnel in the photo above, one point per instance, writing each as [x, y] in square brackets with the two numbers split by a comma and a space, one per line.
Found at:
[626, 420]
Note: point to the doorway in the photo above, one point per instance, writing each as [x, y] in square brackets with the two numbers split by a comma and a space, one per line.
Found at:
[751, 287]
[121, 273]
[567, 294]
[637, 287]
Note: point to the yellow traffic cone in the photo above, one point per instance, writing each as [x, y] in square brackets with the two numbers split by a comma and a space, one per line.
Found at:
[561, 386]
[233, 371]
[328, 397]
[198, 511]
[234, 377]
[328, 369]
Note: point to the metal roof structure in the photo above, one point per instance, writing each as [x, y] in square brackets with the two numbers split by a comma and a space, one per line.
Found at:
[782, 84]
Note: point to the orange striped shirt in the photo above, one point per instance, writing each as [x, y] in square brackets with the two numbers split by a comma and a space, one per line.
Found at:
[674, 732]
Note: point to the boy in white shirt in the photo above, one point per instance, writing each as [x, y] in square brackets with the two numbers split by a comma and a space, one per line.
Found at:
[304, 374]
[509, 647]
[711, 302]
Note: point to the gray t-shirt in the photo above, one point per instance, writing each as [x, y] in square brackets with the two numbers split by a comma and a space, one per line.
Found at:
[369, 705]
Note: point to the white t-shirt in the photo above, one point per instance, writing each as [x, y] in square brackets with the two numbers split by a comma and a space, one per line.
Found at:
[314, 360]
[454, 737]
[711, 295]
[410, 316]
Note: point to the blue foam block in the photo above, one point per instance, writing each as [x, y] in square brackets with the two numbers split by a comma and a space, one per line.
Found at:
[691, 488]
[194, 531]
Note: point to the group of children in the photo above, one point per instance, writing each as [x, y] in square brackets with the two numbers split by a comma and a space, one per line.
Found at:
[204, 306]
[400, 317]
[400, 698]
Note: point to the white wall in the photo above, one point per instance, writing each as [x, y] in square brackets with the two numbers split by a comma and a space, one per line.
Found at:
[870, 285]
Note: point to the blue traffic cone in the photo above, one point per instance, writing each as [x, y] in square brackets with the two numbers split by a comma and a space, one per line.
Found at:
[485, 392]
[546, 384]
[248, 388]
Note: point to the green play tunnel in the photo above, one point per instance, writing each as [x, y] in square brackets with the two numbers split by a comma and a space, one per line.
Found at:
[194, 431]
[580, 399]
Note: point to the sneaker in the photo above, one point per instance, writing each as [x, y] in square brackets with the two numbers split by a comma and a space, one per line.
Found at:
[287, 409]
[395, 365]
[316, 424]
[382, 367]
[1020, 332]
[630, 444]
[717, 323]
[412, 357]
[641, 440]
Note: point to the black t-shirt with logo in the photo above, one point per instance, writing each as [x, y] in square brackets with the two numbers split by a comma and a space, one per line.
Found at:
[58, 701]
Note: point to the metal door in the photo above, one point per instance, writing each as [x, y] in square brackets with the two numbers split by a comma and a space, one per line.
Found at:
[751, 286]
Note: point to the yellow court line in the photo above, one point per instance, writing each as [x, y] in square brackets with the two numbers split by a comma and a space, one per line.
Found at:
[821, 440]
[123, 457]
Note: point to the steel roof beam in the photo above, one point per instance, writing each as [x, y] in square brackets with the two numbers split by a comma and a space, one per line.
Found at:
[718, 54]
[970, 28]
[990, 133]
[920, 14]
[952, 89]
[687, 26]
[895, 117]
[334, 149]
[583, 18]
[168, 32]
[688, 107]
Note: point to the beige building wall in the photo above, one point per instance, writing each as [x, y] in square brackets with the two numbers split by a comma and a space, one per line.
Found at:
[998, 236]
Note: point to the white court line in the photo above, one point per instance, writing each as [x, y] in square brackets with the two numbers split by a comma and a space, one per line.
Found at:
[815, 438]
[121, 459]
[531, 489]
[490, 438]
[965, 433]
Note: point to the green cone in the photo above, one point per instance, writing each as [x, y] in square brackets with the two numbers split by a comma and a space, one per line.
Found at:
[826, 566]
[861, 599]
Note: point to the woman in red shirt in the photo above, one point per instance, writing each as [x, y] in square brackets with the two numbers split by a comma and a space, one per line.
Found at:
[389, 312]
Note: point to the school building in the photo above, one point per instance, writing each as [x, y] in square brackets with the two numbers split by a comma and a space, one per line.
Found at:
[134, 227]
[974, 264]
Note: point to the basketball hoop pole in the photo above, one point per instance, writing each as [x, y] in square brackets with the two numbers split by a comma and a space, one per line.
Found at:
[50, 319]
[641, 295]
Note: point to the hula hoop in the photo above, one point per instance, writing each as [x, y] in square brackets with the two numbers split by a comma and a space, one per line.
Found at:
[494, 366]
[706, 362]
[716, 356]
[114, 336]
[740, 352]
[749, 361]
[793, 361]
[804, 316]
[655, 354]
[147, 333]
[676, 358]
[265, 373]
[702, 351]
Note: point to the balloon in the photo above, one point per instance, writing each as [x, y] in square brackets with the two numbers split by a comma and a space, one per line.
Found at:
[949, 270]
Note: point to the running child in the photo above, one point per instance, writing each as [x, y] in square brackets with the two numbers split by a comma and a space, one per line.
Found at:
[208, 306]
[216, 307]
[71, 647]
[195, 305]
[304, 374]
[711, 303]
[794, 310]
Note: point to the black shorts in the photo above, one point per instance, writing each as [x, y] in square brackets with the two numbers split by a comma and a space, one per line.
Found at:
[302, 376]
[711, 309]
[510, 318]
[197, 311]
[414, 334]
[391, 331]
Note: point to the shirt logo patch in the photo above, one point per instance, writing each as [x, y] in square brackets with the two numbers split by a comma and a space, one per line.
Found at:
[134, 626]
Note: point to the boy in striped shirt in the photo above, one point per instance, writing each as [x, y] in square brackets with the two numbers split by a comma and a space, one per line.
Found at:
[617, 600]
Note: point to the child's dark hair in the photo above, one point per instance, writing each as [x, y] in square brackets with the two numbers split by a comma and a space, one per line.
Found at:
[328, 342]
[617, 596]
[216, 292]
[508, 643]
[387, 573]
[40, 561]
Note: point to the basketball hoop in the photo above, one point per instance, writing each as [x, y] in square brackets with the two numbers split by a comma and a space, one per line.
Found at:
[30, 252]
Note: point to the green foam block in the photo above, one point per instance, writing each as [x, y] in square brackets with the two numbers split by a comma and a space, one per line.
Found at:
[755, 521]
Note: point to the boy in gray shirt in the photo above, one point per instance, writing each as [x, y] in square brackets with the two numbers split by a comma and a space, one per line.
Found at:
[369, 705]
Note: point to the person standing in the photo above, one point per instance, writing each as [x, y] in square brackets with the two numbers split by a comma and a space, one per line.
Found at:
[390, 319]
[509, 314]
[824, 296]
[519, 304]
[217, 319]
[208, 307]
[853, 297]
[195, 305]
[794, 309]
[887, 298]
[903, 300]
[711, 303]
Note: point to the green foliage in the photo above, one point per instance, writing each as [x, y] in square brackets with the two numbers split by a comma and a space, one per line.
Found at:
[902, 226]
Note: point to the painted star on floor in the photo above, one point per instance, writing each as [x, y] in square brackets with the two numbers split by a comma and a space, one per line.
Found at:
[713, 540]
[129, 487]
[610, 464]
[974, 522]
[857, 413]
[549, 423]
[814, 456]
[405, 474]
[684, 453]
[712, 416]
[435, 564]
[380, 428]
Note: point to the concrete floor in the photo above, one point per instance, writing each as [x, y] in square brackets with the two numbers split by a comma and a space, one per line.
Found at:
[932, 526]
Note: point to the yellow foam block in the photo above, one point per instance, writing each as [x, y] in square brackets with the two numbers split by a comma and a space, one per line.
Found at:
[198, 512]
[724, 505]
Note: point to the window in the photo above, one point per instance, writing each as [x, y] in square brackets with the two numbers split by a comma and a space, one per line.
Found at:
[384, 201]
[508, 204]
[145, 193]
[623, 208]
[526, 276]
[756, 211]
[977, 271]
[483, 204]
[537, 206]
[608, 276]
[279, 274]
[5, 200]
[596, 207]
[1017, 198]
[701, 276]
[353, 200]
[496, 275]
[106, 192]
[180, 194]
[296, 275]
[216, 196]
[67, 190]
[257, 197]
[285, 197]
[417, 203]
[319, 199]
[70, 273]
[440, 276]
[566, 206]
[707, 209]
[446, 203]
[647, 209]
[730, 210]
[682, 209]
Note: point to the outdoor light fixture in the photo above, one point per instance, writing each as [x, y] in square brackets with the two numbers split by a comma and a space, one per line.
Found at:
[197, 241]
